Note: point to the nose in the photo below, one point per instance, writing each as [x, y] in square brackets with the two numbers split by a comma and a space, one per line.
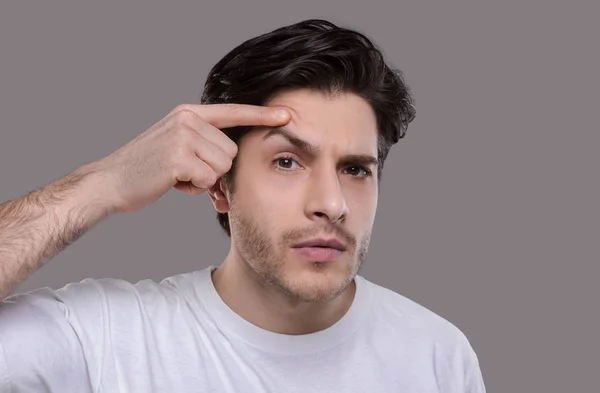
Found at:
[325, 197]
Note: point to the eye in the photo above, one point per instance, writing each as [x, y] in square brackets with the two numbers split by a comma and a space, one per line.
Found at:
[358, 171]
[286, 163]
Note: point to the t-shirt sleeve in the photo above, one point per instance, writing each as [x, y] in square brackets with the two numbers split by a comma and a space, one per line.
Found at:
[40, 351]
[474, 378]
[472, 371]
[458, 366]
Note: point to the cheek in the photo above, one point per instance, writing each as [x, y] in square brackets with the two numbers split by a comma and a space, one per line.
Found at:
[264, 196]
[266, 204]
[361, 196]
[362, 207]
[278, 192]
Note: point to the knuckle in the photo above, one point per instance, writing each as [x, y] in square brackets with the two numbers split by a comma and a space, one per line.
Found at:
[183, 108]
[228, 165]
[229, 147]
[209, 178]
[224, 161]
[223, 165]
[234, 108]
[233, 148]
[183, 133]
[265, 113]
[185, 115]
[179, 155]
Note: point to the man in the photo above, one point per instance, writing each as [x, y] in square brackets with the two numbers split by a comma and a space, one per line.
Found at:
[309, 112]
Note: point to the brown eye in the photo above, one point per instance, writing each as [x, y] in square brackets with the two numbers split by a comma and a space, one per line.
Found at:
[286, 163]
[358, 171]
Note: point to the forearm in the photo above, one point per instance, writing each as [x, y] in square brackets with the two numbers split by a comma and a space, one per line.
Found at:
[37, 226]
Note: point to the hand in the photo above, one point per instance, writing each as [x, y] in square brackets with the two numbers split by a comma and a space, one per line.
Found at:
[185, 150]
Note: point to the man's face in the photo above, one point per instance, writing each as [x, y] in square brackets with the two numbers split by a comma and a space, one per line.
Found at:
[311, 179]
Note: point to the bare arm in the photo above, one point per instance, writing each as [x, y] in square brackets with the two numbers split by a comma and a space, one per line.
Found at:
[37, 226]
[186, 151]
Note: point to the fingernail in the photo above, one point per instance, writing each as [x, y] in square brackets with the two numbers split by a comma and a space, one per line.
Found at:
[281, 114]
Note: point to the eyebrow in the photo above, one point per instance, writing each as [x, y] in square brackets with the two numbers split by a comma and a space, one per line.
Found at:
[312, 150]
[292, 138]
[360, 159]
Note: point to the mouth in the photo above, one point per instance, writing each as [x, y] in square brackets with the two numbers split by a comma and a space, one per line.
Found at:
[322, 243]
[320, 250]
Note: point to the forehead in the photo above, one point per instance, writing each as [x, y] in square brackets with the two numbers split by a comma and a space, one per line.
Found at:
[344, 120]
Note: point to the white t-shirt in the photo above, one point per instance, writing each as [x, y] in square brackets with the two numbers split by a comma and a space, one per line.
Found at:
[109, 335]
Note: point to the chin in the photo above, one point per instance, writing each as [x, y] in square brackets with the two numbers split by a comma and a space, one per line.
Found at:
[318, 282]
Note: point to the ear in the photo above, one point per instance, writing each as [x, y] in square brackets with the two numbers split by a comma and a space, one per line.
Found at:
[218, 196]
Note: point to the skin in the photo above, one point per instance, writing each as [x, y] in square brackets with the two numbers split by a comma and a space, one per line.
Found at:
[283, 195]
[186, 150]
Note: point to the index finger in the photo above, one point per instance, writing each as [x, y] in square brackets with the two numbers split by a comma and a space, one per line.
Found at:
[236, 115]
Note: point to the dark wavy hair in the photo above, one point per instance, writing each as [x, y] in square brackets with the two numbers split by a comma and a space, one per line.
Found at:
[318, 55]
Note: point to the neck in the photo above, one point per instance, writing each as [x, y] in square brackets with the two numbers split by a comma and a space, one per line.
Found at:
[265, 306]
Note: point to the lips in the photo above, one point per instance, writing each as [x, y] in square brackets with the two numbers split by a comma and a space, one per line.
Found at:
[320, 250]
[321, 242]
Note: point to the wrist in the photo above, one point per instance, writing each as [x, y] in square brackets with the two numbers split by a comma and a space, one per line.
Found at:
[83, 193]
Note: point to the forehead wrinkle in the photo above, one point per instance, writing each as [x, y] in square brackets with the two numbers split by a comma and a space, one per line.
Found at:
[313, 150]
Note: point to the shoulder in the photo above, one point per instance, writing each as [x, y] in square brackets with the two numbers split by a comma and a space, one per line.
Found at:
[39, 346]
[408, 318]
[86, 303]
[408, 327]
[54, 333]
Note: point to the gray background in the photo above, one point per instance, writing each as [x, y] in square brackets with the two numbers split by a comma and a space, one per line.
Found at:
[488, 213]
